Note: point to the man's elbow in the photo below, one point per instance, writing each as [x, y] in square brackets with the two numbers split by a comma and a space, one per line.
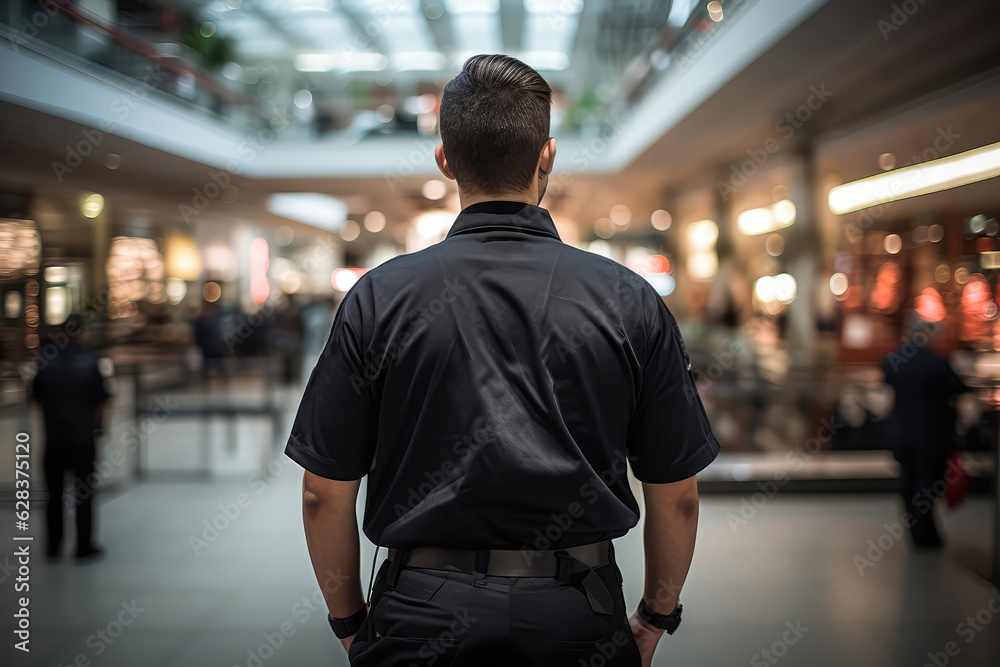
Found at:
[687, 505]
[311, 500]
[677, 498]
[320, 494]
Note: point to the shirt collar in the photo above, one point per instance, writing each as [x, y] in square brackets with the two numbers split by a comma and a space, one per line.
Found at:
[509, 215]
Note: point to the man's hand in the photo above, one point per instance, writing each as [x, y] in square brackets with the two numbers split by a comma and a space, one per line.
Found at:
[646, 636]
[347, 641]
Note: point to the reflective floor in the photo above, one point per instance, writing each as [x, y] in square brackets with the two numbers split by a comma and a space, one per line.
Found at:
[798, 583]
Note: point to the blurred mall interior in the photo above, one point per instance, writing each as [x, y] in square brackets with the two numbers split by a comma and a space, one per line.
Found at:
[203, 180]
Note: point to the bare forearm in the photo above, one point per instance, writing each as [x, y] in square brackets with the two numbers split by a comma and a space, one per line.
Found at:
[669, 537]
[328, 511]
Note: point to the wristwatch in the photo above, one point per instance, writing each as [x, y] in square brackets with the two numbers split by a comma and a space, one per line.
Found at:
[669, 622]
[345, 627]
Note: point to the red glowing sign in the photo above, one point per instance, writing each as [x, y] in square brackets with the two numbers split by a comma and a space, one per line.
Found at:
[260, 289]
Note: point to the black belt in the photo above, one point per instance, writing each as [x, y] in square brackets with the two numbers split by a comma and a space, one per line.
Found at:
[562, 564]
[508, 562]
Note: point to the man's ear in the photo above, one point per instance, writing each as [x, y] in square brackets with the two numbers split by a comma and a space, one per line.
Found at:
[442, 162]
[547, 157]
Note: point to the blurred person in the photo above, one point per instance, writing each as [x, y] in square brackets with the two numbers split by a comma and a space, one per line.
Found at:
[494, 388]
[72, 394]
[921, 424]
[209, 330]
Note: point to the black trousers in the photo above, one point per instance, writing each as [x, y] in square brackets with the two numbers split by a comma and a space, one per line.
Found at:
[77, 459]
[921, 477]
[452, 619]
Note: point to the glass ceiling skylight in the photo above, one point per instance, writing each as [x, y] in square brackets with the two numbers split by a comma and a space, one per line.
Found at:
[331, 31]
[475, 34]
[550, 33]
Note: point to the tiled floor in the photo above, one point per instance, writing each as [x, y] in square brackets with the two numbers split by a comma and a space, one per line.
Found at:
[793, 562]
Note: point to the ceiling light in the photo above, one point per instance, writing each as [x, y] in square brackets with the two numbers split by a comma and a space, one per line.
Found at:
[92, 205]
[784, 288]
[766, 219]
[473, 6]
[564, 7]
[345, 61]
[547, 60]
[763, 289]
[311, 208]
[374, 221]
[418, 61]
[620, 214]
[344, 279]
[661, 220]
[434, 189]
[838, 284]
[893, 243]
[302, 99]
[942, 174]
[702, 234]
[350, 230]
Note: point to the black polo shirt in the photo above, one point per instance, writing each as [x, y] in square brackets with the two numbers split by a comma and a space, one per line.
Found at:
[493, 386]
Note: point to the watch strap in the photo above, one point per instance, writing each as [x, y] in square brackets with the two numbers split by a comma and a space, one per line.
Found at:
[346, 627]
[668, 622]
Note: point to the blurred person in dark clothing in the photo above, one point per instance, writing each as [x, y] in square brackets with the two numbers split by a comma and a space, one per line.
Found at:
[210, 336]
[71, 392]
[921, 425]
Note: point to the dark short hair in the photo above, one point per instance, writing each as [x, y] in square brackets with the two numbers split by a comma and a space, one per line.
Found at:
[494, 122]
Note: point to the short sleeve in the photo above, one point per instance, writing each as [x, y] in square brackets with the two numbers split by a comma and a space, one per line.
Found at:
[334, 431]
[669, 437]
